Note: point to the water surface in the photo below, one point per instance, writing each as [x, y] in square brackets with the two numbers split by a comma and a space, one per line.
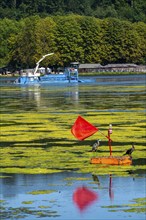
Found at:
[117, 198]
[39, 153]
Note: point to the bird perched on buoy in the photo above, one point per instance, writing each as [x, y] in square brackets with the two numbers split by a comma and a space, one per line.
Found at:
[95, 145]
[130, 151]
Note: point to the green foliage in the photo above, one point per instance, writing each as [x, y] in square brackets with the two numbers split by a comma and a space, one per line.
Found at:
[140, 28]
[45, 39]
[91, 33]
[25, 48]
[133, 10]
[72, 38]
[68, 39]
[121, 42]
[41, 192]
[8, 31]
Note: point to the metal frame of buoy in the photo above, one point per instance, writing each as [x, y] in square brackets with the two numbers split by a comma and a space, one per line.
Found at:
[111, 160]
[110, 131]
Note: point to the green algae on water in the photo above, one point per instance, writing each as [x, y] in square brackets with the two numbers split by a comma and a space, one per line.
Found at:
[41, 192]
[40, 142]
[138, 206]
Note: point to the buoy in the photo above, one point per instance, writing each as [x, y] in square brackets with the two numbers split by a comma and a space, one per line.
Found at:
[112, 160]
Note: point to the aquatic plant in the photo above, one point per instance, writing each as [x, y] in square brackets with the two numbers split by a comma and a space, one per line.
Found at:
[40, 141]
[138, 206]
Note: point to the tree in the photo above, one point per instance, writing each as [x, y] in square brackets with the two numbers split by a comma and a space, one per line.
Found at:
[24, 51]
[91, 34]
[36, 39]
[99, 8]
[121, 42]
[45, 40]
[8, 30]
[68, 39]
[140, 28]
[71, 38]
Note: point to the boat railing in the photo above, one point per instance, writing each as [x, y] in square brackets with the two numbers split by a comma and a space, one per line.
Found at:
[71, 74]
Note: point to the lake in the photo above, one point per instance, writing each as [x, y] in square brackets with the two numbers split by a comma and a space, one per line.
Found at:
[46, 173]
[54, 197]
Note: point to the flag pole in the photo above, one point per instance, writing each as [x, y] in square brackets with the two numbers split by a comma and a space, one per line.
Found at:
[109, 140]
[108, 137]
[104, 135]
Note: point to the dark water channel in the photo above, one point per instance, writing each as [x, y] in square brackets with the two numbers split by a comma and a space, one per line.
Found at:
[54, 196]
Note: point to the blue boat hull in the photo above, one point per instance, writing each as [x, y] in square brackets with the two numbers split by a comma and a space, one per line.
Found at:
[51, 78]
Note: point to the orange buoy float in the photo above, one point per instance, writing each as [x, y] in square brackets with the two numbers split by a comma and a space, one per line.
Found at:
[112, 160]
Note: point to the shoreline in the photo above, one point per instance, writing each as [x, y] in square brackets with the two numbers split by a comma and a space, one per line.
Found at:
[87, 74]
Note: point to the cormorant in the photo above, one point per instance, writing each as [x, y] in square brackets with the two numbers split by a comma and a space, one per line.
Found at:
[95, 146]
[129, 151]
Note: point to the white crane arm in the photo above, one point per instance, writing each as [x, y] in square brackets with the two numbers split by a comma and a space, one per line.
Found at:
[38, 63]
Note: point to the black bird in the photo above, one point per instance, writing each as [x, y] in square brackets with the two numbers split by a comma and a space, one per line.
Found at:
[95, 146]
[130, 151]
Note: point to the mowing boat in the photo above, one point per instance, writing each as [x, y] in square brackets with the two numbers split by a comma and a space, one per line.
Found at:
[30, 77]
[112, 160]
[69, 76]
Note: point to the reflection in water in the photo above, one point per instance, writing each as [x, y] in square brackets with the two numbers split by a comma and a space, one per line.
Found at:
[84, 96]
[111, 193]
[72, 93]
[89, 98]
[32, 93]
[83, 197]
[96, 179]
[72, 196]
[50, 96]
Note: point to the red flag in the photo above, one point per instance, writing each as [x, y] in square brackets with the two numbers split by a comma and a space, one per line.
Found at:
[82, 129]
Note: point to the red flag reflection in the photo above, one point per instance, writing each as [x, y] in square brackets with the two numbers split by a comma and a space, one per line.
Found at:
[84, 197]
